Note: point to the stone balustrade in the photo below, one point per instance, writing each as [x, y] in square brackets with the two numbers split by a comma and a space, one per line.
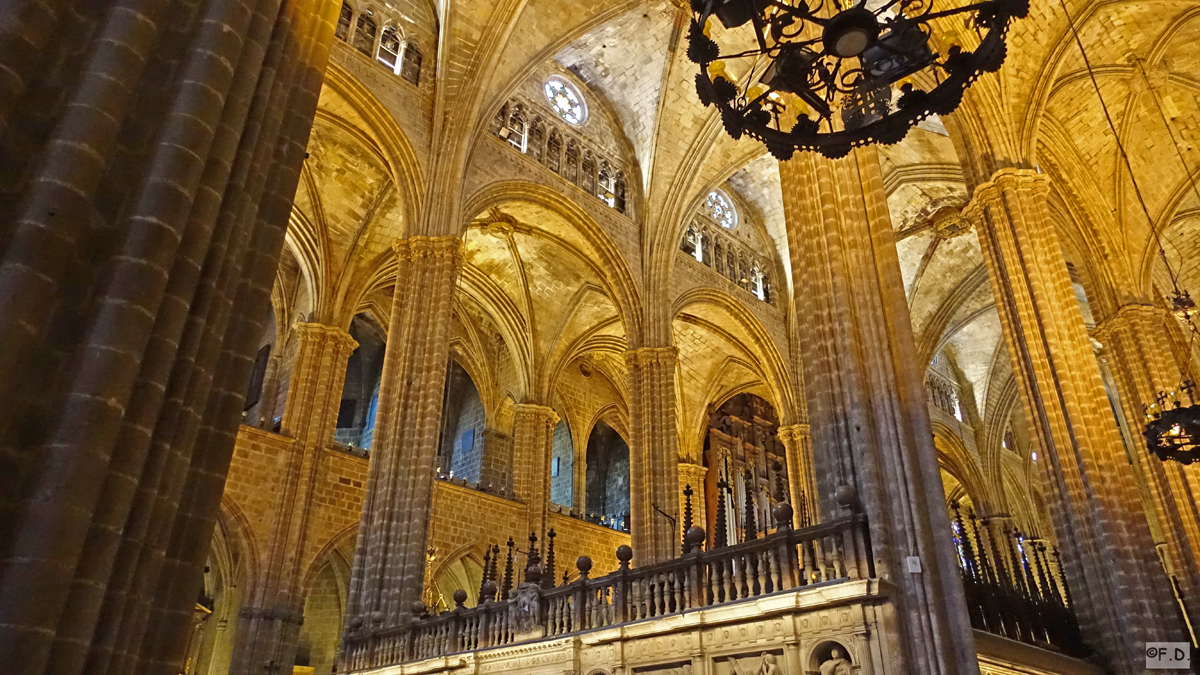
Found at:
[834, 552]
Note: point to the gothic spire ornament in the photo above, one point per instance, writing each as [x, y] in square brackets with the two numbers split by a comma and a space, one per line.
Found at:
[830, 75]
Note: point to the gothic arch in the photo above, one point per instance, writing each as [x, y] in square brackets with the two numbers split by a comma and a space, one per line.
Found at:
[390, 140]
[960, 462]
[612, 265]
[763, 346]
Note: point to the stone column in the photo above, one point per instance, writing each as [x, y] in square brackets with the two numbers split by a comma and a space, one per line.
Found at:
[866, 401]
[802, 479]
[269, 622]
[1142, 359]
[653, 456]
[533, 442]
[1119, 590]
[152, 152]
[389, 563]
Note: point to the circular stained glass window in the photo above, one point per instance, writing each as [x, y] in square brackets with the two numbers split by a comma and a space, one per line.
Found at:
[721, 209]
[566, 100]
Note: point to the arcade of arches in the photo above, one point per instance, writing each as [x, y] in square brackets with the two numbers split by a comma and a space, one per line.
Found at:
[491, 269]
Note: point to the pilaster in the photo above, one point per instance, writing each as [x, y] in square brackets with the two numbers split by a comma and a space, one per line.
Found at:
[389, 563]
[653, 476]
[533, 441]
[1141, 357]
[866, 401]
[1118, 588]
[802, 479]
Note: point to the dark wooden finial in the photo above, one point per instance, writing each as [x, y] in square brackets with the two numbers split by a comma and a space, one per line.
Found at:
[687, 516]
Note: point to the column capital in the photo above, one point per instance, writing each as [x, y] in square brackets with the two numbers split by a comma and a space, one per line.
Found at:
[319, 332]
[1008, 178]
[644, 356]
[1127, 314]
[418, 247]
[794, 432]
[537, 412]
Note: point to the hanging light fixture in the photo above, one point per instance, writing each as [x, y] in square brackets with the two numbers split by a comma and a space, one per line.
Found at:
[1172, 428]
[828, 77]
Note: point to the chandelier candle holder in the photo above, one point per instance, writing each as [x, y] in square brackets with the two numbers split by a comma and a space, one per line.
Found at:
[828, 77]
[1173, 425]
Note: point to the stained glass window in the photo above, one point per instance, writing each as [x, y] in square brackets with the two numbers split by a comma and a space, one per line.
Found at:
[565, 100]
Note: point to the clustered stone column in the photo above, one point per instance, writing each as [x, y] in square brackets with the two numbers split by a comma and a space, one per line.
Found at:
[389, 562]
[533, 443]
[1117, 585]
[653, 456]
[802, 478]
[1142, 357]
[269, 624]
[152, 150]
[866, 401]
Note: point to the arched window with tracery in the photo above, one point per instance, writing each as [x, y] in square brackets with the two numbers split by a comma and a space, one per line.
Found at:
[516, 128]
[389, 47]
[553, 156]
[364, 34]
[604, 188]
[688, 245]
[571, 162]
[344, 20]
[619, 192]
[537, 139]
[766, 288]
[410, 63]
[587, 172]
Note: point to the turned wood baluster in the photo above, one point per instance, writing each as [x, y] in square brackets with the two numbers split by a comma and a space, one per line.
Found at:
[821, 559]
[679, 584]
[663, 595]
[809, 571]
[714, 582]
[835, 558]
[773, 568]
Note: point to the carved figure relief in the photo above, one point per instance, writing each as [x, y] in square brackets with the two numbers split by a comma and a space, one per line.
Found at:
[766, 664]
[836, 664]
[526, 610]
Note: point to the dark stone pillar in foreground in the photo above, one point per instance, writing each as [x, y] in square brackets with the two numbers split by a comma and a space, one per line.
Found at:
[150, 152]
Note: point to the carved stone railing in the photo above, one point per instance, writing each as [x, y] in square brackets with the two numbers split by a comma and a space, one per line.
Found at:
[787, 560]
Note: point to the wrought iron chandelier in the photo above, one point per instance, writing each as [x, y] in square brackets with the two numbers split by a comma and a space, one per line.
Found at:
[1172, 428]
[830, 75]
